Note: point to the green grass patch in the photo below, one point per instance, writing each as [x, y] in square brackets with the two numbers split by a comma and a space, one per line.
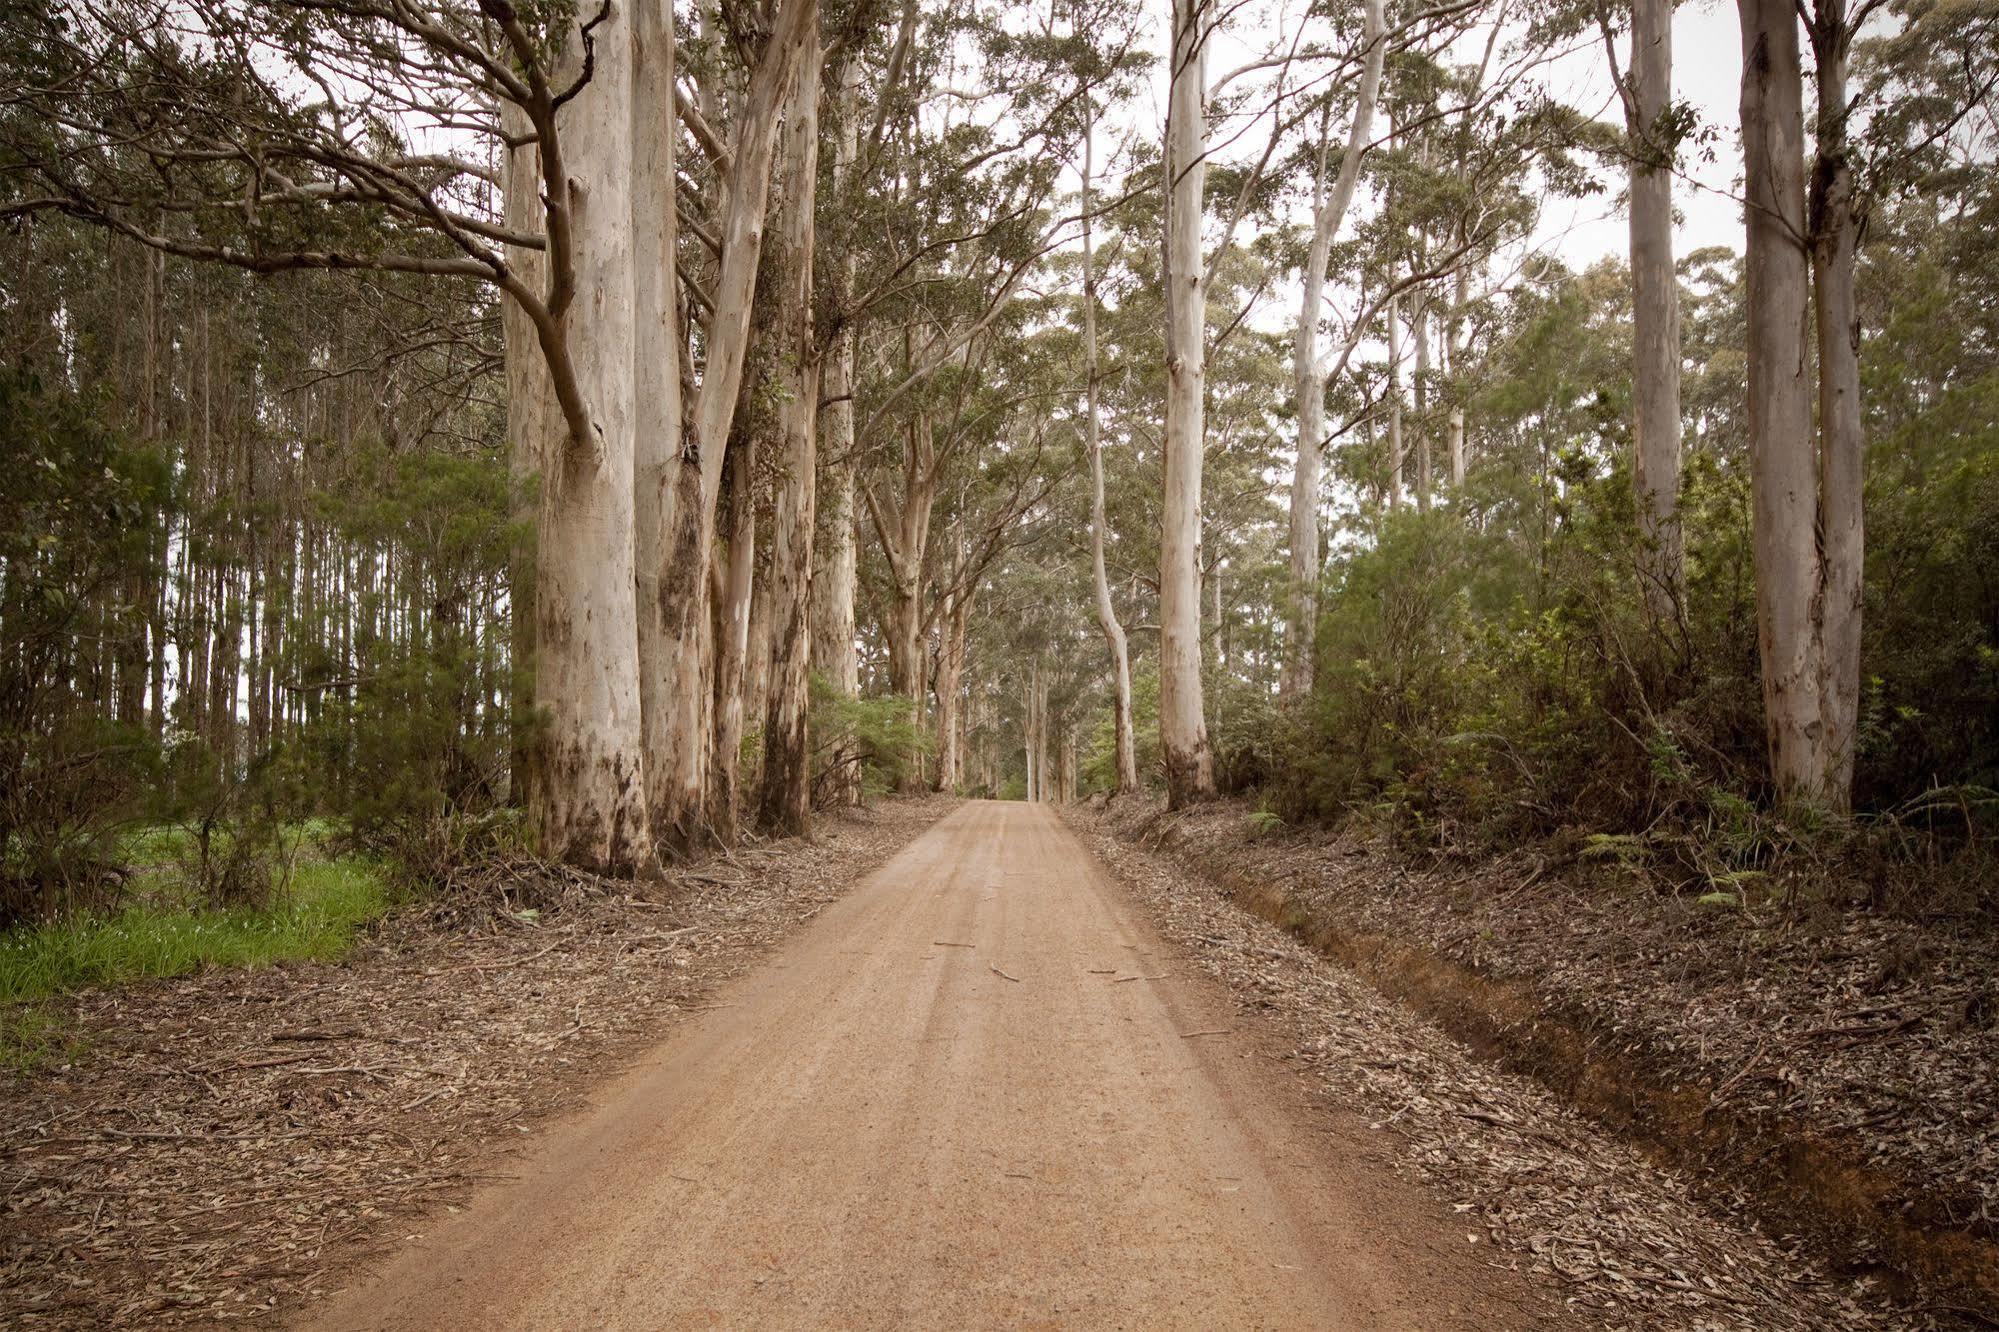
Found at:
[329, 901]
[31, 1036]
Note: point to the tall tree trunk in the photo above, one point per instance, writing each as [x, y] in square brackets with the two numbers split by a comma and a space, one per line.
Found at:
[787, 775]
[530, 416]
[1453, 351]
[906, 544]
[1792, 606]
[590, 799]
[1027, 731]
[1655, 291]
[1835, 231]
[1425, 464]
[678, 647]
[1114, 639]
[835, 581]
[1309, 373]
[734, 586]
[1183, 729]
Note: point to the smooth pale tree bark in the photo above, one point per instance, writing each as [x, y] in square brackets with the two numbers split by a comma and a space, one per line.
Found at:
[1308, 370]
[1655, 290]
[1806, 500]
[906, 545]
[1038, 785]
[589, 801]
[1183, 728]
[786, 798]
[1114, 638]
[678, 735]
[837, 577]
[1027, 735]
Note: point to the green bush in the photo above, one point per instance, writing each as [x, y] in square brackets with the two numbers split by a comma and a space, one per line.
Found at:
[875, 741]
[81, 513]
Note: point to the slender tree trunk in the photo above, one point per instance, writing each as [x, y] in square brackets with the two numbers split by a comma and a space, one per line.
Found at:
[1027, 733]
[1183, 730]
[1329, 210]
[907, 559]
[1453, 351]
[1655, 291]
[787, 775]
[950, 678]
[1114, 639]
[1042, 786]
[1394, 402]
[1425, 464]
[735, 575]
[835, 581]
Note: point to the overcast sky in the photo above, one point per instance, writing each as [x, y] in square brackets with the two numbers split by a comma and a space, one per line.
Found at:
[1707, 68]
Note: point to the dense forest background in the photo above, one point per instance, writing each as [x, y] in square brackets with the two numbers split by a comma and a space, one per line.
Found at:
[269, 525]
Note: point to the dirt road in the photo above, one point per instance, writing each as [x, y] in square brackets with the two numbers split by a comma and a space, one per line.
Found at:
[976, 1092]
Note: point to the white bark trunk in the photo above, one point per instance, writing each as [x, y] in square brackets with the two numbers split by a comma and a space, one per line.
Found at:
[1784, 472]
[1308, 370]
[532, 419]
[834, 584]
[787, 776]
[1126, 755]
[1183, 730]
[1655, 290]
[1395, 402]
[678, 745]
[590, 799]
[1835, 241]
[1454, 351]
[1425, 463]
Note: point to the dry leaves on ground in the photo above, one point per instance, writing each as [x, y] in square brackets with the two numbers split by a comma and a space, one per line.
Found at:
[1550, 1194]
[227, 1138]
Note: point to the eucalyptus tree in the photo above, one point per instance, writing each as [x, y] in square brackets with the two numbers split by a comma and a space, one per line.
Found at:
[1645, 90]
[1330, 201]
[965, 210]
[263, 166]
[1805, 465]
[1183, 727]
[1126, 757]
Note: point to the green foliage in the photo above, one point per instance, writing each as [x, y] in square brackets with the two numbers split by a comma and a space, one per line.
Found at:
[1099, 759]
[1488, 672]
[419, 756]
[79, 522]
[1263, 822]
[878, 737]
